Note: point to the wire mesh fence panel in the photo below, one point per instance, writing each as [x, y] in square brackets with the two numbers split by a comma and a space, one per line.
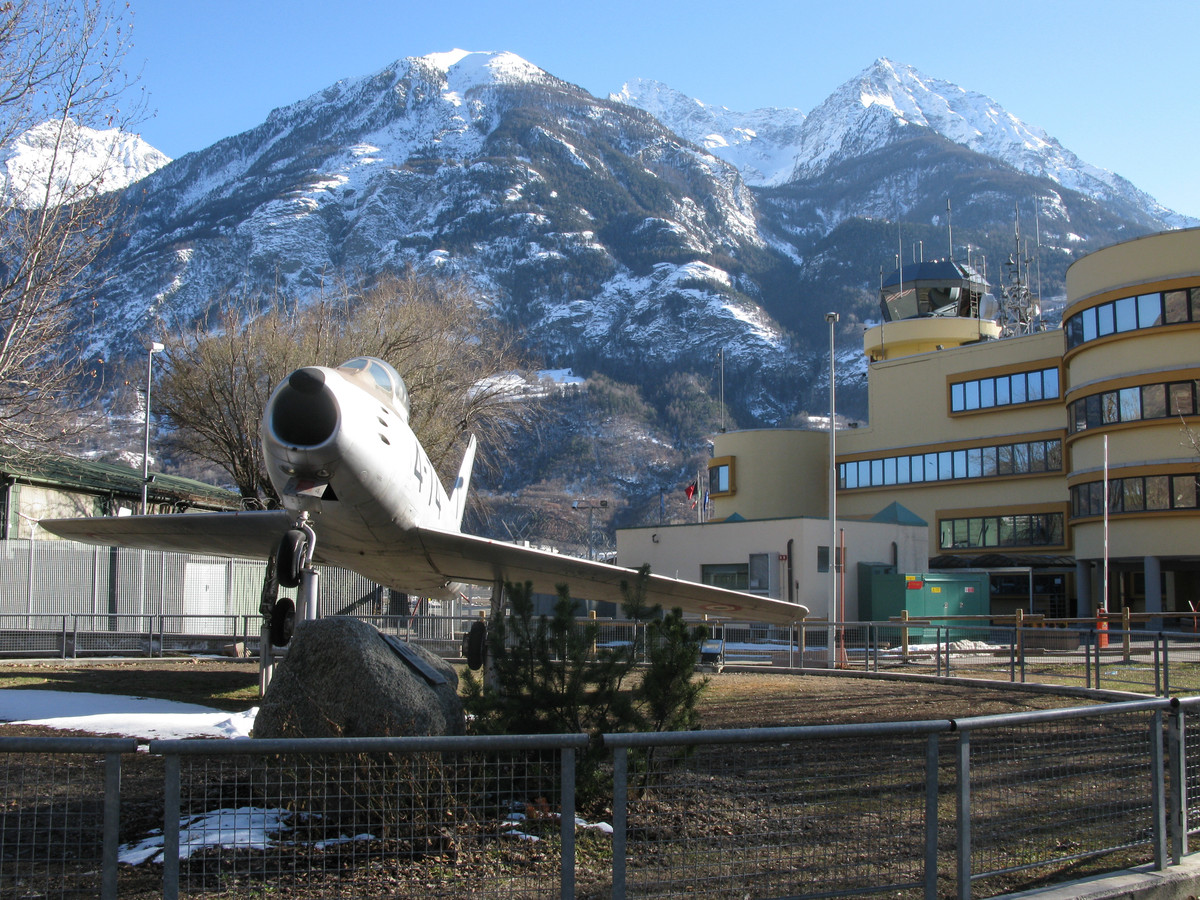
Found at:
[52, 819]
[1130, 662]
[379, 824]
[1055, 793]
[801, 818]
[1181, 662]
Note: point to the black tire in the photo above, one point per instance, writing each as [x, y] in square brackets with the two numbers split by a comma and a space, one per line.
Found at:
[290, 557]
[476, 644]
[283, 621]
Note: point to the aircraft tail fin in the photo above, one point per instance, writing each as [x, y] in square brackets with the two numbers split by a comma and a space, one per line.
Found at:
[462, 484]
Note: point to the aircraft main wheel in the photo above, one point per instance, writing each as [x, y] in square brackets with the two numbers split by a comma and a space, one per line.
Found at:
[283, 621]
[476, 643]
[291, 557]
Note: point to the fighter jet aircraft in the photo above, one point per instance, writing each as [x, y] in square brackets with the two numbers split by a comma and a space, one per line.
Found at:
[360, 492]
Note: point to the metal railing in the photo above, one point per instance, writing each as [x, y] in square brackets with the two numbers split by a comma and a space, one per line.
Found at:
[966, 807]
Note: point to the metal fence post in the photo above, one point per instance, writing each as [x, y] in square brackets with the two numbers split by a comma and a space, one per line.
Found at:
[1166, 664]
[1158, 791]
[567, 824]
[963, 845]
[931, 816]
[112, 826]
[1177, 802]
[171, 786]
[620, 810]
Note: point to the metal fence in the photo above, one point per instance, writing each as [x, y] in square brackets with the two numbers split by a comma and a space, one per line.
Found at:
[971, 807]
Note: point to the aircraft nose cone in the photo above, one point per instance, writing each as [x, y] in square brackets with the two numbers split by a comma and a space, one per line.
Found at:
[307, 381]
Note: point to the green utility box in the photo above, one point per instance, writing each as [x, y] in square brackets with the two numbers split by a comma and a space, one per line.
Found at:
[884, 594]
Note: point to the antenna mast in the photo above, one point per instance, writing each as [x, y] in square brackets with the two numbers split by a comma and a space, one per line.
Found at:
[950, 229]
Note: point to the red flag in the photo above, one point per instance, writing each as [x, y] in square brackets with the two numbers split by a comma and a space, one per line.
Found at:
[691, 493]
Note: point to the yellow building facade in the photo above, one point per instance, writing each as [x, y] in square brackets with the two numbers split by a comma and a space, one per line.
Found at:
[1060, 460]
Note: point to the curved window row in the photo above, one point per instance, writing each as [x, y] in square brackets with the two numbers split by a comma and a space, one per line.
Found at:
[1026, 458]
[1135, 494]
[1133, 404]
[1004, 390]
[1033, 530]
[1133, 313]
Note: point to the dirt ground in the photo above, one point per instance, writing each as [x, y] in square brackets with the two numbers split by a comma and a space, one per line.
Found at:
[730, 700]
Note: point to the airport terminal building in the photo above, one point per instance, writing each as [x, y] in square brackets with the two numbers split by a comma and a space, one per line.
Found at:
[1060, 461]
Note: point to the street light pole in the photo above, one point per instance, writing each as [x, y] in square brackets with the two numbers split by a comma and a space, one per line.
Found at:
[832, 318]
[152, 348]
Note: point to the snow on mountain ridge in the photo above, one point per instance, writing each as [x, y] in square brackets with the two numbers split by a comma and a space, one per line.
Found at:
[760, 143]
[105, 160]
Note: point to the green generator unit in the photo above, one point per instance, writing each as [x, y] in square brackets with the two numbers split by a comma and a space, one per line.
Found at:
[884, 594]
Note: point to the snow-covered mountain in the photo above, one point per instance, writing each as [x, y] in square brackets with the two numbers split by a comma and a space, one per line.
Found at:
[76, 158]
[635, 235]
[874, 109]
[761, 144]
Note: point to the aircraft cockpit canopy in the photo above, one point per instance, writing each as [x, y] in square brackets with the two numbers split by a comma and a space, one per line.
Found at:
[383, 378]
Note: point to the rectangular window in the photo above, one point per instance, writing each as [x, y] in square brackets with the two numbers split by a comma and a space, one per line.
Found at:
[945, 465]
[957, 398]
[1003, 391]
[1078, 415]
[1034, 386]
[1037, 456]
[760, 573]
[902, 470]
[1093, 410]
[1020, 459]
[1017, 383]
[1110, 412]
[1089, 324]
[1054, 456]
[864, 473]
[1130, 401]
[876, 472]
[1195, 292]
[989, 462]
[960, 463]
[971, 395]
[731, 576]
[946, 537]
[917, 467]
[889, 470]
[987, 393]
[1127, 316]
[1183, 489]
[848, 475]
[975, 463]
[1131, 490]
[1154, 401]
[931, 467]
[822, 559]
[720, 477]
[1050, 388]
[1158, 492]
[1149, 310]
[1175, 305]
[1004, 459]
[1074, 332]
[1105, 320]
[1179, 399]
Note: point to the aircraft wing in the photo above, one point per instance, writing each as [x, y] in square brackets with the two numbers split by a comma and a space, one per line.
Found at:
[475, 560]
[242, 534]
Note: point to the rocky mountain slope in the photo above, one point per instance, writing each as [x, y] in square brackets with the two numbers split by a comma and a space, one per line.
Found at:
[633, 236]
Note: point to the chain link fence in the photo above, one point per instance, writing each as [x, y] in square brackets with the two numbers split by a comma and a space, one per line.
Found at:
[970, 807]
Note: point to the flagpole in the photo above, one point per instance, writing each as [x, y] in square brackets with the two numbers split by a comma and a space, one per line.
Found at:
[831, 318]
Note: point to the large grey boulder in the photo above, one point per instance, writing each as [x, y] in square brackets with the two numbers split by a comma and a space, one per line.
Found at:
[341, 678]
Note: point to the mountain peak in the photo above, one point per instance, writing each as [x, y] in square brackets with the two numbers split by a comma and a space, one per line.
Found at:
[464, 69]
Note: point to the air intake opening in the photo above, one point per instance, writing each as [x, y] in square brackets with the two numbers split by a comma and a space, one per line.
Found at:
[304, 417]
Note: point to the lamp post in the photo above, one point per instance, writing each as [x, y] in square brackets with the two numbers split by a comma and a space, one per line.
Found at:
[152, 347]
[832, 318]
[590, 505]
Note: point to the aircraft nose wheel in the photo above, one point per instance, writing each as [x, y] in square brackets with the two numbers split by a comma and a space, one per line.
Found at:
[283, 621]
[293, 548]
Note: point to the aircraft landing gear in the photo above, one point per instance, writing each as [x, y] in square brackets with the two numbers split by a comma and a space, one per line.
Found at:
[290, 567]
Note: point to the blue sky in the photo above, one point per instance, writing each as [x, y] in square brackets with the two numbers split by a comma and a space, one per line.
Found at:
[1113, 81]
